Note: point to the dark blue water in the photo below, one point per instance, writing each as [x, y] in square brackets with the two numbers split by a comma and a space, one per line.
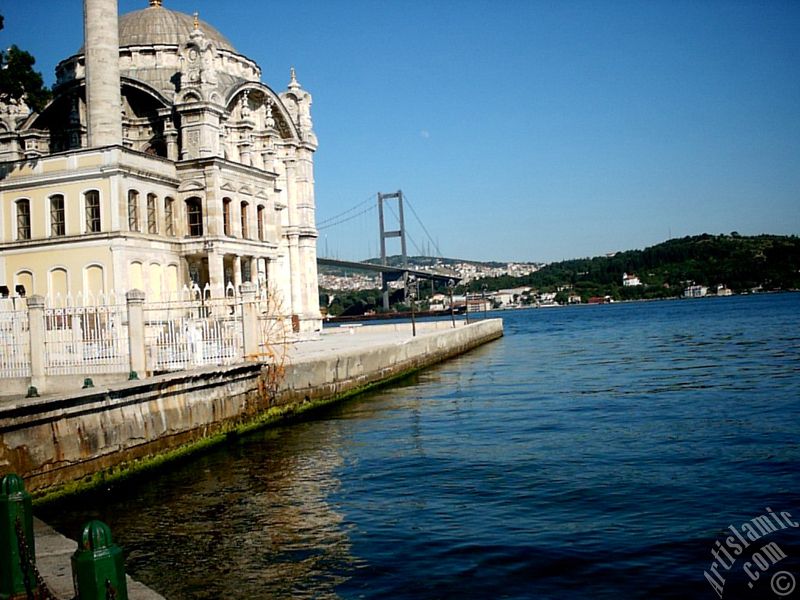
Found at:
[593, 452]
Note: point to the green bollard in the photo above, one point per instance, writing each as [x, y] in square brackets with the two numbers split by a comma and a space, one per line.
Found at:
[16, 516]
[98, 568]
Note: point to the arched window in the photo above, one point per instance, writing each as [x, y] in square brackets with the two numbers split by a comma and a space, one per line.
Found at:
[23, 219]
[59, 282]
[171, 281]
[135, 276]
[169, 216]
[226, 216]
[91, 200]
[194, 217]
[93, 280]
[152, 214]
[133, 210]
[24, 283]
[57, 227]
[260, 221]
[245, 229]
[154, 281]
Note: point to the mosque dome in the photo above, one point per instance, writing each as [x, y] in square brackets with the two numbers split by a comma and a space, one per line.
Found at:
[151, 42]
[156, 25]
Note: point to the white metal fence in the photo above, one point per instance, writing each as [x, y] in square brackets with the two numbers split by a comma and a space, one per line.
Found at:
[85, 335]
[15, 353]
[194, 331]
[90, 335]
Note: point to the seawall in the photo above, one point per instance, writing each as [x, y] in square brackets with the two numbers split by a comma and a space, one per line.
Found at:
[64, 442]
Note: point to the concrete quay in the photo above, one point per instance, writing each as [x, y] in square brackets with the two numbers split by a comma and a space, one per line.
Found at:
[61, 443]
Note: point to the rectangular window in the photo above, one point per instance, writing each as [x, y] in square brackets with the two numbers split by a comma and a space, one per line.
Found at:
[194, 217]
[260, 222]
[57, 215]
[226, 216]
[245, 232]
[133, 210]
[23, 219]
[92, 204]
[169, 216]
[152, 214]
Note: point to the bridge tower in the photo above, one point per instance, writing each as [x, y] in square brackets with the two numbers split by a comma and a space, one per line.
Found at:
[401, 233]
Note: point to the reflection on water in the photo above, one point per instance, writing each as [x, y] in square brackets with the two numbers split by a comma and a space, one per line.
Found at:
[226, 523]
[594, 452]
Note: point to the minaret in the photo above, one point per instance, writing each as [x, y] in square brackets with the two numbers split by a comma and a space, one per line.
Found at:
[103, 100]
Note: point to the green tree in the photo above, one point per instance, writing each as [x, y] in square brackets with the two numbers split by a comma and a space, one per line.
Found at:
[18, 80]
[739, 262]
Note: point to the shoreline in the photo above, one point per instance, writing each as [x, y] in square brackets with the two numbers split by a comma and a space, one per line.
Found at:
[68, 444]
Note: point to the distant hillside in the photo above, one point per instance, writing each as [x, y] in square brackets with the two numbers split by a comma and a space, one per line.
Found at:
[416, 262]
[429, 261]
[741, 263]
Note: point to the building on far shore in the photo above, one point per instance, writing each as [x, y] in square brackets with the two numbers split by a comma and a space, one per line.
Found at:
[162, 161]
[695, 291]
[630, 280]
[722, 290]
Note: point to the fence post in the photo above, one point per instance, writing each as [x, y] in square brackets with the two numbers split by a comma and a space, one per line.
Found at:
[17, 544]
[36, 331]
[98, 566]
[250, 326]
[136, 341]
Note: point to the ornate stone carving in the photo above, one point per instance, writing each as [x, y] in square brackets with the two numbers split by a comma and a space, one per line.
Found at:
[244, 103]
[269, 121]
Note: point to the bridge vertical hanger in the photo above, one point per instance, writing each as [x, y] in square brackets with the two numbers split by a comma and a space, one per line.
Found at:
[401, 233]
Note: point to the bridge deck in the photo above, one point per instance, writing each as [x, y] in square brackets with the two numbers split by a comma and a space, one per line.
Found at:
[397, 271]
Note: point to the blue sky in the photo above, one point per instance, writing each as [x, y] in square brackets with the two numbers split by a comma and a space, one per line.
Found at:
[523, 130]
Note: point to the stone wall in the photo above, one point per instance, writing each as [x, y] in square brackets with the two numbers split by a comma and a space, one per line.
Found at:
[100, 432]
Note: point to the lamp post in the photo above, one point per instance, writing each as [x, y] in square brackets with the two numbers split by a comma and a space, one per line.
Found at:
[411, 282]
[450, 285]
[466, 304]
[483, 299]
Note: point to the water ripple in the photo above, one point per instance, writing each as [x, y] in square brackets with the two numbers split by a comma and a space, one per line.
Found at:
[594, 452]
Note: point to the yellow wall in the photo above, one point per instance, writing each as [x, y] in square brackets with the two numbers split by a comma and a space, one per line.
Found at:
[74, 260]
[39, 197]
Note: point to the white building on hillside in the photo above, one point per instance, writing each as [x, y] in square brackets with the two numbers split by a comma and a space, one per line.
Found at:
[630, 280]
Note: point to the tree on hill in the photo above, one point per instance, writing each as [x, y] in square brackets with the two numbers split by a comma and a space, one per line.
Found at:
[739, 262]
[18, 80]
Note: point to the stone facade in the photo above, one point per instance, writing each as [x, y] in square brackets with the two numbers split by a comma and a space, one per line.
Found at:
[195, 172]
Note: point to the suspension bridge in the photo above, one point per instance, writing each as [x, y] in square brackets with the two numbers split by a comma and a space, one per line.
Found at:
[390, 210]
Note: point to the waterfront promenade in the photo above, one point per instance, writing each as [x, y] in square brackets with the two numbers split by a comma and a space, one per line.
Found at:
[306, 349]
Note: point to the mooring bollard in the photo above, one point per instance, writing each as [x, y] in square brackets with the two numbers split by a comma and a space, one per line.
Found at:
[98, 567]
[17, 551]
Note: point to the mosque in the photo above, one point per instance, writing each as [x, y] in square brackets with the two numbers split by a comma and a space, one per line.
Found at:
[163, 160]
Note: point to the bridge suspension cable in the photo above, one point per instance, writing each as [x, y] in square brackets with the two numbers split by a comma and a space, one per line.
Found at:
[420, 252]
[368, 205]
[328, 224]
[425, 229]
[338, 218]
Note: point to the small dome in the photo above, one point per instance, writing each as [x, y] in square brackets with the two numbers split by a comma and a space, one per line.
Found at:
[157, 25]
